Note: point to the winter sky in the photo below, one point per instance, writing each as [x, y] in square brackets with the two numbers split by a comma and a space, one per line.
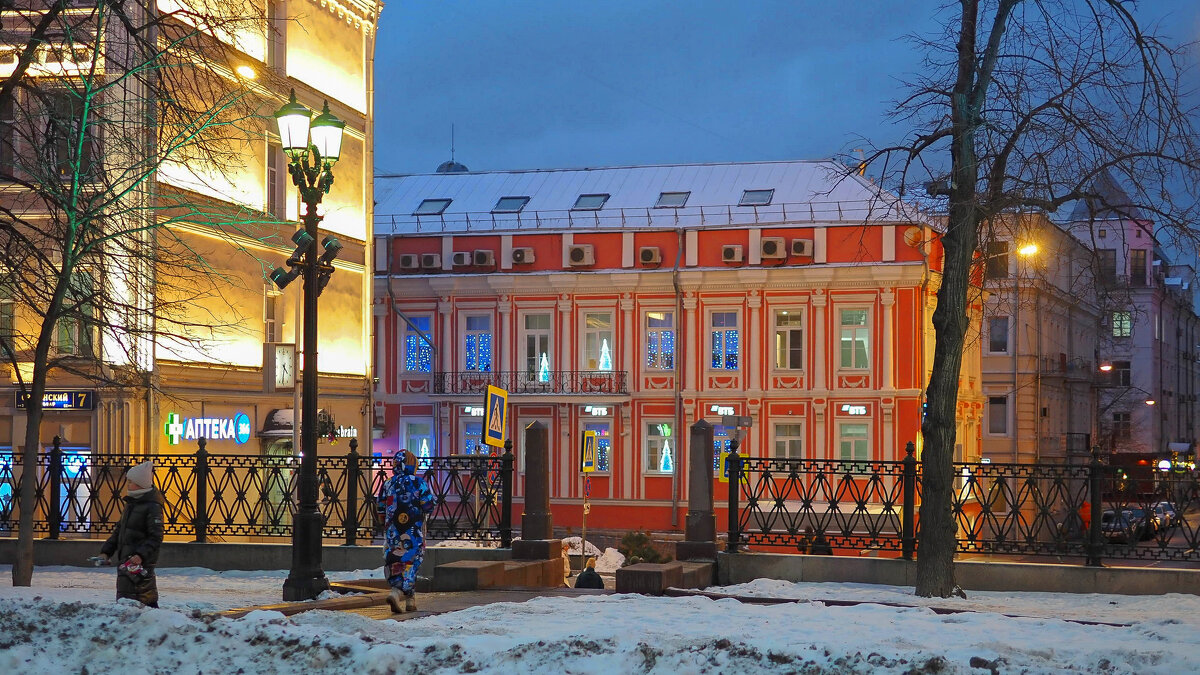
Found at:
[548, 83]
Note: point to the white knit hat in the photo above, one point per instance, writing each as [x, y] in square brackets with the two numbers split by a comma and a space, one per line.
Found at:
[142, 474]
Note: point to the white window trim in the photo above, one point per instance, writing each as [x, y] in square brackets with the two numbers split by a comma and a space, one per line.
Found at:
[583, 333]
[646, 337]
[461, 337]
[870, 338]
[674, 441]
[775, 438]
[405, 331]
[841, 424]
[407, 441]
[708, 330]
[803, 313]
[526, 332]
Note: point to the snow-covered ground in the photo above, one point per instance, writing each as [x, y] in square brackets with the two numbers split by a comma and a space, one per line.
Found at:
[67, 623]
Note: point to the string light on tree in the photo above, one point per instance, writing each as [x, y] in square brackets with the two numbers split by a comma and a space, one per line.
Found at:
[605, 356]
[544, 369]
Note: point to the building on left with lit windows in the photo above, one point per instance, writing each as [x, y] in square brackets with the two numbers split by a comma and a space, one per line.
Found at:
[175, 332]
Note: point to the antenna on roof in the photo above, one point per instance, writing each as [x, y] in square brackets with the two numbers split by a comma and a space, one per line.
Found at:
[452, 166]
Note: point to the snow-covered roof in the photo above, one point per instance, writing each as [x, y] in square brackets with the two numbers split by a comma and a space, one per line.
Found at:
[803, 191]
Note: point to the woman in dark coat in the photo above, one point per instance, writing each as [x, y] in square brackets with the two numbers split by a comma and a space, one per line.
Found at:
[136, 540]
[588, 578]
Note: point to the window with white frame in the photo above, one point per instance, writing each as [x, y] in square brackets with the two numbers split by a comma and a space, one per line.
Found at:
[855, 339]
[661, 449]
[272, 321]
[998, 335]
[537, 346]
[789, 340]
[418, 347]
[418, 439]
[603, 431]
[997, 415]
[477, 343]
[1122, 324]
[724, 340]
[789, 440]
[597, 341]
[660, 340]
[853, 442]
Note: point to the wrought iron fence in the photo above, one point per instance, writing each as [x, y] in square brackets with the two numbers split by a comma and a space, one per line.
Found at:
[1089, 511]
[237, 497]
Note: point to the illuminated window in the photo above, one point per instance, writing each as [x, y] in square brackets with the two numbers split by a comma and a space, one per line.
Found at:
[722, 442]
[853, 440]
[661, 449]
[723, 340]
[789, 441]
[1122, 324]
[537, 347]
[510, 204]
[432, 207]
[477, 343]
[855, 339]
[756, 197]
[589, 202]
[789, 340]
[998, 335]
[418, 439]
[660, 340]
[603, 444]
[671, 200]
[597, 341]
[418, 347]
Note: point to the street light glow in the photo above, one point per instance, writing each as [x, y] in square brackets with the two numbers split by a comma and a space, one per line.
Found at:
[246, 72]
[1105, 367]
[1028, 249]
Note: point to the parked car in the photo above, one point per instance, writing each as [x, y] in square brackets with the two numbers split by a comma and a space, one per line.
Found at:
[1119, 527]
[1145, 522]
[1167, 516]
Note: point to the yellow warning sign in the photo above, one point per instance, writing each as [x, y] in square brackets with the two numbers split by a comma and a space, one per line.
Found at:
[588, 464]
[495, 416]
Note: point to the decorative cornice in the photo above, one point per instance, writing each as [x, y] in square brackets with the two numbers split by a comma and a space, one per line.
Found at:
[362, 14]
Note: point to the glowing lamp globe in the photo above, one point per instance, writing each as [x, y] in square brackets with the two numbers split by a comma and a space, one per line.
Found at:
[326, 131]
[293, 120]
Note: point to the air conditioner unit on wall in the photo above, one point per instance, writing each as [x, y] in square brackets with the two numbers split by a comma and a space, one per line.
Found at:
[431, 261]
[485, 258]
[522, 255]
[773, 248]
[802, 247]
[650, 254]
[731, 253]
[581, 254]
[460, 258]
[409, 261]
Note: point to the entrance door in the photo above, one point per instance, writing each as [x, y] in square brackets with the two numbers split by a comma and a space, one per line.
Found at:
[275, 517]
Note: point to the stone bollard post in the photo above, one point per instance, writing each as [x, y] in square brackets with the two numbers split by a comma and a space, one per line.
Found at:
[537, 523]
[700, 524]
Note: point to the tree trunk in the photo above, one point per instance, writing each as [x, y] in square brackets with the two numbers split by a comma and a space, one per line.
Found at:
[22, 571]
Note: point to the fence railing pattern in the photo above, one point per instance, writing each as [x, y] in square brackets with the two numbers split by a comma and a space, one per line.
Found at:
[231, 497]
[1091, 511]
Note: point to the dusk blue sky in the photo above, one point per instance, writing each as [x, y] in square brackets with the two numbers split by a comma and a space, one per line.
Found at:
[574, 83]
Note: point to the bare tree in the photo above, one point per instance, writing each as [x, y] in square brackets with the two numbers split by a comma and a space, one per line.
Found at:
[1026, 105]
[120, 123]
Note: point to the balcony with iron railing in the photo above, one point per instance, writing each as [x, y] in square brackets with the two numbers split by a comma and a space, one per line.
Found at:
[566, 382]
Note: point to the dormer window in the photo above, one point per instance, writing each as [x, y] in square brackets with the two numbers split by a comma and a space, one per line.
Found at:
[432, 207]
[756, 197]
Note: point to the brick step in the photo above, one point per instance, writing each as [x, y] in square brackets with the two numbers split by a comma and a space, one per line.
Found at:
[656, 578]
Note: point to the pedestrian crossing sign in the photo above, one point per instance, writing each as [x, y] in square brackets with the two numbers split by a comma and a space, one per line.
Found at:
[495, 416]
[588, 464]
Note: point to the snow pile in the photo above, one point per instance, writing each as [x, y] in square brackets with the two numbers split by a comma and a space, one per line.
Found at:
[576, 546]
[603, 634]
[610, 562]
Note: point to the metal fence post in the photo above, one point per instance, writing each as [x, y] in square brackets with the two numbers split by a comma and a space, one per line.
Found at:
[908, 534]
[200, 519]
[350, 522]
[1095, 545]
[54, 480]
[734, 464]
[506, 493]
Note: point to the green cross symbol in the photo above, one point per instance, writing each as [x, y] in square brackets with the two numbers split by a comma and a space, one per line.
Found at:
[174, 429]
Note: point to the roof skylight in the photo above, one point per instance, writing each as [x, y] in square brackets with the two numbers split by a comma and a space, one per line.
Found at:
[590, 202]
[510, 204]
[756, 197]
[668, 200]
[432, 207]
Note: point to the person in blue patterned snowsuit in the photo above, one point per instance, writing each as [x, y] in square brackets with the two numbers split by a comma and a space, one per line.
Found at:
[406, 501]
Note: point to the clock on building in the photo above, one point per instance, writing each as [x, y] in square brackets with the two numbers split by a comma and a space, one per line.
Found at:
[285, 366]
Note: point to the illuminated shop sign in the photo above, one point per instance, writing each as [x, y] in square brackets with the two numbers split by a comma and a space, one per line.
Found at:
[854, 409]
[236, 428]
[473, 410]
[722, 409]
[596, 410]
[62, 400]
[347, 432]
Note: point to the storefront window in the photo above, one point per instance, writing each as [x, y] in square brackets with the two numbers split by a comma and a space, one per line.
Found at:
[603, 444]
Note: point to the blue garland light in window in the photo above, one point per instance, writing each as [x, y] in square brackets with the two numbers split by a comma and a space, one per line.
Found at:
[605, 356]
[544, 369]
[666, 463]
[485, 352]
[668, 349]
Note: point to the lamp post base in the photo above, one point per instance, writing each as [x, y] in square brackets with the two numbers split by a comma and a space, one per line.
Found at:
[306, 579]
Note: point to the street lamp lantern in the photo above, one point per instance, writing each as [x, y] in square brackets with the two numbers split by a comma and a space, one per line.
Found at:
[293, 120]
[312, 147]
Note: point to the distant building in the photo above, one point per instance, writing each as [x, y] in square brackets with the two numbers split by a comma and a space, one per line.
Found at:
[634, 301]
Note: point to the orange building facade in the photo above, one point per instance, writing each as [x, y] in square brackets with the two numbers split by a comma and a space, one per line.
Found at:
[633, 302]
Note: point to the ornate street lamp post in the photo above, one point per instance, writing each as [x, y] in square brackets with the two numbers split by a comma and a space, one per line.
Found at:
[312, 147]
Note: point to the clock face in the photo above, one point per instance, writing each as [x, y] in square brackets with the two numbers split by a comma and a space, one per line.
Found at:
[285, 366]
